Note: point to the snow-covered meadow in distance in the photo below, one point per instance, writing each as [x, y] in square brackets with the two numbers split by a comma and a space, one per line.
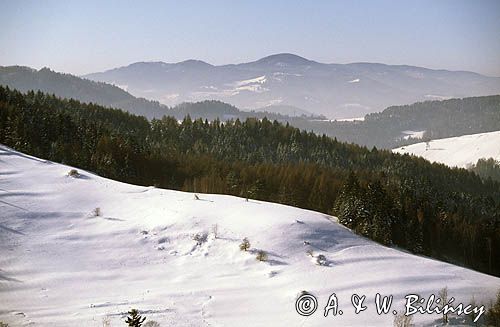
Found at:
[461, 151]
[176, 258]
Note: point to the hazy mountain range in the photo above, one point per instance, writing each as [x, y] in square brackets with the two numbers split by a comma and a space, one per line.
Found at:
[334, 90]
[69, 86]
[387, 129]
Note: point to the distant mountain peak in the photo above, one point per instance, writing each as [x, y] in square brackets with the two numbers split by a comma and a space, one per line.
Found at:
[285, 58]
[194, 63]
[190, 62]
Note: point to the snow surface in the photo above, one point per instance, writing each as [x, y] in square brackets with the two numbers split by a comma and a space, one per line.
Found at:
[461, 151]
[413, 134]
[63, 266]
[256, 80]
[351, 119]
[438, 97]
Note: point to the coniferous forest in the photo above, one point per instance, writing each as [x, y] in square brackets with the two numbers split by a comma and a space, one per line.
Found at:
[429, 209]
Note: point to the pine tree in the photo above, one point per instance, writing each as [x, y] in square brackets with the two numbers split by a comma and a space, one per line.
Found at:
[347, 206]
[135, 319]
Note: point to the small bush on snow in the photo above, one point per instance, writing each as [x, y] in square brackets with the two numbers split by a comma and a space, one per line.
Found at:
[245, 244]
[261, 255]
[200, 238]
[303, 292]
[73, 173]
[106, 322]
[400, 320]
[321, 260]
[152, 323]
[493, 315]
[96, 212]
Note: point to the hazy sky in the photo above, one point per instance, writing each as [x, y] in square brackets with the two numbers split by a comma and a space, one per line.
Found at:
[87, 36]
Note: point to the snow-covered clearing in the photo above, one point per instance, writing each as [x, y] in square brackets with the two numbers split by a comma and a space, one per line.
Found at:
[413, 134]
[461, 151]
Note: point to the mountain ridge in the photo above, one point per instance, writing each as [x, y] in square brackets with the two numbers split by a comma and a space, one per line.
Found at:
[331, 89]
[291, 55]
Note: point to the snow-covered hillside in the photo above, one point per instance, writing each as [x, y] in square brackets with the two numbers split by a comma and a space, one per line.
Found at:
[61, 265]
[461, 151]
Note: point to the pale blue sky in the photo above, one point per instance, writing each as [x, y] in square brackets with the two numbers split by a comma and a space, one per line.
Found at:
[87, 36]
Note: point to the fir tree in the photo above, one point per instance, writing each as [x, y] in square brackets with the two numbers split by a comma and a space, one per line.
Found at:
[134, 319]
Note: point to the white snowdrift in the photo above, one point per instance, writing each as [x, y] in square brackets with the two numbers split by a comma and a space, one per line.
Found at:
[62, 266]
[461, 151]
[256, 80]
[413, 134]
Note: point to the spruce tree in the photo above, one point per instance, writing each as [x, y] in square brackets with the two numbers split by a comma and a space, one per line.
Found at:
[134, 319]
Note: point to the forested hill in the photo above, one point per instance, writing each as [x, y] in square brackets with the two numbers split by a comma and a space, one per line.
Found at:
[213, 109]
[450, 214]
[439, 119]
[388, 129]
[73, 87]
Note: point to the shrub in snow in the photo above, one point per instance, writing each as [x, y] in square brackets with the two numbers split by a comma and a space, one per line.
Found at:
[303, 292]
[472, 316]
[200, 238]
[2, 324]
[106, 322]
[443, 296]
[310, 253]
[400, 320]
[96, 212]
[261, 255]
[73, 173]
[134, 319]
[493, 315]
[245, 244]
[321, 260]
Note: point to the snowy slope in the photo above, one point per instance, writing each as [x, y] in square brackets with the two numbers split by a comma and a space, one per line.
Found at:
[460, 151]
[62, 266]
